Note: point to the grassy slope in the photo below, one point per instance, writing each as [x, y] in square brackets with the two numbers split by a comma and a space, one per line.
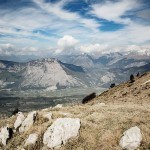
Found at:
[127, 105]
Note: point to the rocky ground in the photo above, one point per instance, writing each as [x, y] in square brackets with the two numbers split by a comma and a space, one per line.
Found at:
[97, 125]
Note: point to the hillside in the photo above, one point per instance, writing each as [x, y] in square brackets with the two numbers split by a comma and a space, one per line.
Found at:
[102, 121]
[137, 92]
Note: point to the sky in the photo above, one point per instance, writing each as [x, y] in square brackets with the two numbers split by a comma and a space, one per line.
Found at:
[44, 27]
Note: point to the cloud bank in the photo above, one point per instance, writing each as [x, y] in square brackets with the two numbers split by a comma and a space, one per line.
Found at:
[66, 26]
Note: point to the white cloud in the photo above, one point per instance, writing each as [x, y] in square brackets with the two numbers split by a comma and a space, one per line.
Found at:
[145, 14]
[90, 23]
[69, 45]
[98, 49]
[23, 19]
[113, 11]
[9, 49]
[57, 22]
[93, 48]
[57, 10]
[6, 49]
[138, 49]
[51, 17]
[66, 43]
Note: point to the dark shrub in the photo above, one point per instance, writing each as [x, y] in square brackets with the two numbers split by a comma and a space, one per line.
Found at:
[132, 78]
[112, 85]
[15, 111]
[138, 74]
[88, 98]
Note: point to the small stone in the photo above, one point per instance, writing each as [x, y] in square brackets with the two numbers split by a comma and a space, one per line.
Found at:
[131, 139]
[4, 135]
[19, 120]
[59, 106]
[31, 139]
[28, 122]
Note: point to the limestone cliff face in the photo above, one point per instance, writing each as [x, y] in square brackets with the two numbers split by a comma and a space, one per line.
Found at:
[47, 73]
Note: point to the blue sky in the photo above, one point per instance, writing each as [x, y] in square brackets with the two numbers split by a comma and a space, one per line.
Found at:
[61, 26]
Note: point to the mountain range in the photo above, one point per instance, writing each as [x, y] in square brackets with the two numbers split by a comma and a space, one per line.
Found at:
[71, 71]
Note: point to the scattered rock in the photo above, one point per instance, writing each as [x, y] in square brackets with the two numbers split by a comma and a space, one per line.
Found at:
[48, 115]
[61, 131]
[4, 135]
[59, 106]
[31, 139]
[28, 122]
[131, 139]
[19, 120]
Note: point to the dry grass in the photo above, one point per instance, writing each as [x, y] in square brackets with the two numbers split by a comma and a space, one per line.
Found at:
[132, 93]
[101, 126]
[102, 129]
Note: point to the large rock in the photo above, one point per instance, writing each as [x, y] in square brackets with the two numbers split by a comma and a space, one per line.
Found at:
[61, 131]
[131, 139]
[28, 122]
[31, 139]
[19, 120]
[4, 135]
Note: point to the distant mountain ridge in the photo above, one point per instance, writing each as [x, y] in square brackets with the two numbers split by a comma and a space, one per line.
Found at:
[111, 60]
[74, 71]
[44, 73]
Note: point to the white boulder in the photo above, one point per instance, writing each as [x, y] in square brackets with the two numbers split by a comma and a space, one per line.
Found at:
[28, 122]
[31, 139]
[19, 120]
[131, 139]
[59, 106]
[61, 131]
[4, 135]
[48, 115]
